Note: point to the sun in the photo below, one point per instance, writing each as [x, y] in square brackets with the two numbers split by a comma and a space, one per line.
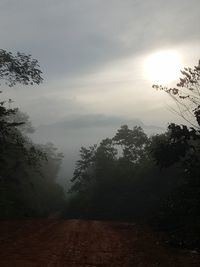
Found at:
[163, 67]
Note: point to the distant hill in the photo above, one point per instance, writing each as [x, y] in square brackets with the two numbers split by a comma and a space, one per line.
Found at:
[83, 130]
[97, 126]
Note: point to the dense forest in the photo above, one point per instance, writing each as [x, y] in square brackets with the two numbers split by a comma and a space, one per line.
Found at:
[28, 171]
[127, 177]
[155, 180]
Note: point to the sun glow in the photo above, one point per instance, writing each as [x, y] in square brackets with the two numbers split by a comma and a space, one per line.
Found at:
[163, 67]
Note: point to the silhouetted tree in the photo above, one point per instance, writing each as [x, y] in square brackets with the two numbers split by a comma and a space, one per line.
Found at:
[27, 171]
[118, 179]
[181, 145]
[186, 95]
[132, 142]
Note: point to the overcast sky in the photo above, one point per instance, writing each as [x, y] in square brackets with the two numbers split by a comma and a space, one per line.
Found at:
[92, 53]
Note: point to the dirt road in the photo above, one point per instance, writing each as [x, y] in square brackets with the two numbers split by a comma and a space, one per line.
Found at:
[79, 243]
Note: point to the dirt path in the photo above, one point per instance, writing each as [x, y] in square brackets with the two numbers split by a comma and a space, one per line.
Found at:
[76, 243]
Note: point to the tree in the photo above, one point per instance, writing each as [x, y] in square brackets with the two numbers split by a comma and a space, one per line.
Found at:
[27, 171]
[20, 68]
[183, 142]
[186, 95]
[106, 156]
[181, 145]
[23, 121]
[84, 170]
[132, 142]
[112, 180]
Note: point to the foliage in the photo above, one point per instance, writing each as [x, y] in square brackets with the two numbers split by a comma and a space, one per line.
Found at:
[133, 142]
[180, 215]
[27, 171]
[95, 160]
[187, 94]
[156, 179]
[84, 168]
[19, 69]
[118, 179]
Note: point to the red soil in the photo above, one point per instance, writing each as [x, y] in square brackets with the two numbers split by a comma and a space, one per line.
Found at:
[80, 243]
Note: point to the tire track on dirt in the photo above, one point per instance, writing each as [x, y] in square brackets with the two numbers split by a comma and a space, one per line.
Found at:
[92, 243]
[80, 243]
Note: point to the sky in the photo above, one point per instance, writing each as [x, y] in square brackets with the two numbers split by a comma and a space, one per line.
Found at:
[92, 54]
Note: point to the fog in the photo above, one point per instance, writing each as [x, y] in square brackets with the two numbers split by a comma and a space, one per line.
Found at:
[76, 131]
[100, 120]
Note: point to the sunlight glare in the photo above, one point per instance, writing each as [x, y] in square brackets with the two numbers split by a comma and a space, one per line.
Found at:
[163, 67]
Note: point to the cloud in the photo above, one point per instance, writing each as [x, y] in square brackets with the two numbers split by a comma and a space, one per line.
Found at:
[74, 37]
[83, 130]
[52, 108]
[76, 130]
[90, 52]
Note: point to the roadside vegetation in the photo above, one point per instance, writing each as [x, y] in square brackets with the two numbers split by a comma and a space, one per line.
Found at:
[156, 179]
[28, 171]
[127, 177]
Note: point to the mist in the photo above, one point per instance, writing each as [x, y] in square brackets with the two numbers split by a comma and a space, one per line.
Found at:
[99, 133]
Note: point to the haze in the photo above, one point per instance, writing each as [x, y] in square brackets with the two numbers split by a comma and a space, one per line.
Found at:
[92, 54]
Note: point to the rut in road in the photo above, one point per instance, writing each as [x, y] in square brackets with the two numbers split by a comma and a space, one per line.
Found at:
[80, 243]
